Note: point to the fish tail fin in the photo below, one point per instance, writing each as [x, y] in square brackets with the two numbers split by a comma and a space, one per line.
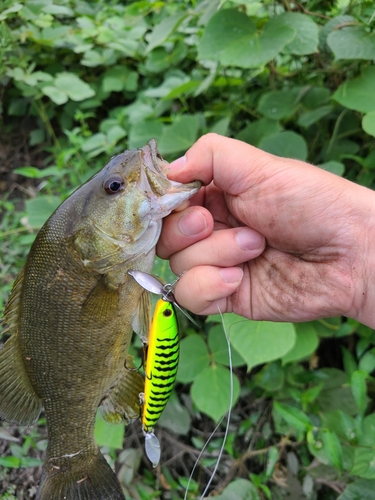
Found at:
[90, 479]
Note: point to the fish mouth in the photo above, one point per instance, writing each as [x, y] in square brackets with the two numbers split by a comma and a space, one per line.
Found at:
[163, 194]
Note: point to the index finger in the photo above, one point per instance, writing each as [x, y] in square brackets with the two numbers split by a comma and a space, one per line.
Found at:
[224, 160]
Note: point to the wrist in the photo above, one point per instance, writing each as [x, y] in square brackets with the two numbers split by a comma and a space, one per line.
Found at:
[363, 309]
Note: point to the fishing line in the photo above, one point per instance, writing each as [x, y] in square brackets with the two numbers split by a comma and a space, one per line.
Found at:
[218, 425]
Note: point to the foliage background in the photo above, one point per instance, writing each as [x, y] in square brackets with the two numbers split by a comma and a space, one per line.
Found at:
[81, 81]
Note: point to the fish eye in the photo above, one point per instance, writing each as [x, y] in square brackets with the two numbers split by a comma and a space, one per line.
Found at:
[167, 313]
[113, 185]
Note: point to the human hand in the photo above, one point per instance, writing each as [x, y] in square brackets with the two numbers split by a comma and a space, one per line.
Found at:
[308, 234]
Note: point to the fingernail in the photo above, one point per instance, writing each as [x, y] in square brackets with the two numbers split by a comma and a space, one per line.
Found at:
[192, 223]
[177, 164]
[231, 274]
[248, 239]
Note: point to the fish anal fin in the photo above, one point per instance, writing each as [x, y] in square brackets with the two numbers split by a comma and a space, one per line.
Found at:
[141, 320]
[19, 403]
[122, 403]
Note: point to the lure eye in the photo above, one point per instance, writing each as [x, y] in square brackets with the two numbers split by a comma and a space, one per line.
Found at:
[114, 185]
[167, 313]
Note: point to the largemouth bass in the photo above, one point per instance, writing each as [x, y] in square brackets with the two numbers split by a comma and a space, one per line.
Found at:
[71, 315]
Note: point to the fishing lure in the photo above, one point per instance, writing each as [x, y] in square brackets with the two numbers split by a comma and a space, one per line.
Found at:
[161, 369]
[162, 354]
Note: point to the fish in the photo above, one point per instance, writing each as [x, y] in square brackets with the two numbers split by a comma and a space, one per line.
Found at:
[71, 315]
[162, 355]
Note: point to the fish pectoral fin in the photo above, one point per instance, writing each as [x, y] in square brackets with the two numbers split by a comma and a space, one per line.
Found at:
[122, 403]
[19, 403]
[141, 321]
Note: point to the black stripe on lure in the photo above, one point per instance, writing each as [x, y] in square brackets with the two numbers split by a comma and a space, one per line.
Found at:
[162, 357]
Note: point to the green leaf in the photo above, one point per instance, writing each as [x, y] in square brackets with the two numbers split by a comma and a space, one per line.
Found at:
[359, 389]
[360, 489]
[367, 362]
[175, 417]
[56, 95]
[287, 144]
[231, 38]
[259, 341]
[335, 167]
[114, 134]
[358, 94]
[11, 462]
[352, 42]
[11, 10]
[349, 361]
[164, 29]
[179, 136]
[364, 463]
[224, 28]
[194, 358]
[255, 131]
[342, 423]
[293, 416]
[260, 48]
[30, 462]
[239, 489]
[308, 118]
[307, 31]
[279, 104]
[270, 377]
[96, 141]
[367, 434]
[109, 435]
[39, 209]
[219, 348]
[142, 132]
[119, 78]
[306, 342]
[210, 391]
[368, 123]
[332, 448]
[75, 88]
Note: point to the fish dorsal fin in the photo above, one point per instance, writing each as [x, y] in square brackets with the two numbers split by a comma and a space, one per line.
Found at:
[19, 402]
[122, 403]
[11, 311]
[141, 321]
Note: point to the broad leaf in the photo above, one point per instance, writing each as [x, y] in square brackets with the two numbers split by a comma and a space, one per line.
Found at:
[109, 435]
[180, 136]
[306, 38]
[162, 30]
[306, 342]
[279, 104]
[293, 416]
[194, 358]
[364, 462]
[231, 38]
[260, 341]
[358, 93]
[361, 489]
[210, 391]
[288, 144]
[352, 42]
[368, 123]
[239, 489]
[75, 88]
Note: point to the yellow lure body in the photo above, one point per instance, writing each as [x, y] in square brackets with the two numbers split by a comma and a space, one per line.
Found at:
[161, 363]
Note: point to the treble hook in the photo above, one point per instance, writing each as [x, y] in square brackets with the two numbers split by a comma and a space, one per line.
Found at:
[153, 285]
